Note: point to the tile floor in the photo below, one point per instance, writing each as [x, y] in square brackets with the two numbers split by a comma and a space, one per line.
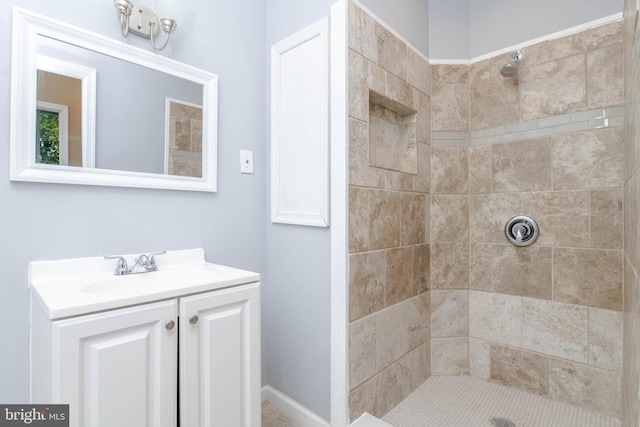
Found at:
[471, 402]
[273, 417]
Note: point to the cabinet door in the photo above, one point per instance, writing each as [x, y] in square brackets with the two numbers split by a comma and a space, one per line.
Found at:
[118, 368]
[220, 358]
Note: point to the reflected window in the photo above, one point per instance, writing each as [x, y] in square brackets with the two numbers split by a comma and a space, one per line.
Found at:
[52, 133]
[59, 103]
[48, 136]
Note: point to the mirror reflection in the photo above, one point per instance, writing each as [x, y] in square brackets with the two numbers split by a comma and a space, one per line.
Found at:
[145, 120]
[58, 120]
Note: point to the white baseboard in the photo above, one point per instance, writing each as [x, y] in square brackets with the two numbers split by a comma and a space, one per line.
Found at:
[291, 408]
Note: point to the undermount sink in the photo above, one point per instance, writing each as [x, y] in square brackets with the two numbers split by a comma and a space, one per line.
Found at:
[72, 287]
[154, 281]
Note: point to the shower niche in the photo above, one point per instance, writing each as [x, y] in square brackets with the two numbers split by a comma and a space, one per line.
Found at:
[392, 135]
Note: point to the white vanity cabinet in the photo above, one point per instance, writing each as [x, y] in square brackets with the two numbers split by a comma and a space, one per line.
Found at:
[190, 360]
[117, 368]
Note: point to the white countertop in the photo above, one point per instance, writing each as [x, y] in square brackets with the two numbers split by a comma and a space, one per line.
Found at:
[77, 286]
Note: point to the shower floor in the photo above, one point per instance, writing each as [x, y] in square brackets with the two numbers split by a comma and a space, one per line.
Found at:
[471, 402]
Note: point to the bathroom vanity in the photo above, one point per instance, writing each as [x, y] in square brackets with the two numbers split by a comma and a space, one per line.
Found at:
[177, 346]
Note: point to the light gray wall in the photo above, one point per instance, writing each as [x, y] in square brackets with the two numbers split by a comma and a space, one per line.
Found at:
[496, 24]
[449, 29]
[297, 297]
[48, 221]
[409, 18]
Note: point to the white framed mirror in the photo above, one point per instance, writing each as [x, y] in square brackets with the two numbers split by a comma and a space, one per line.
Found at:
[126, 132]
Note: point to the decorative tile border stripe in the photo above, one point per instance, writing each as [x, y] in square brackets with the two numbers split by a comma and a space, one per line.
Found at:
[547, 126]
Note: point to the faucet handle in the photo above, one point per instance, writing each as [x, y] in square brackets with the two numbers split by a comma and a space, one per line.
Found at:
[122, 267]
[152, 258]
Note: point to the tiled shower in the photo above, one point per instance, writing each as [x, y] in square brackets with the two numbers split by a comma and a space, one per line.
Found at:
[435, 289]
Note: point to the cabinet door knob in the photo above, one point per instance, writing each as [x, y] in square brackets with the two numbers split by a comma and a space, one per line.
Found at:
[193, 319]
[170, 325]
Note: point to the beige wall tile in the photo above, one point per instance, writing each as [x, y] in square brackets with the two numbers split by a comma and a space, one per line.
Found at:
[449, 266]
[392, 52]
[363, 76]
[449, 170]
[521, 369]
[480, 169]
[605, 339]
[555, 329]
[493, 98]
[362, 351]
[394, 384]
[449, 314]
[449, 107]
[399, 275]
[603, 35]
[421, 364]
[413, 218]
[422, 181]
[384, 226]
[631, 343]
[359, 219]
[449, 73]
[562, 217]
[553, 50]
[398, 90]
[489, 214]
[586, 386]
[524, 271]
[418, 325]
[422, 104]
[591, 277]
[390, 335]
[398, 181]
[552, 88]
[362, 33]
[364, 399]
[522, 166]
[606, 218]
[589, 159]
[479, 359]
[366, 283]
[605, 83]
[449, 356]
[422, 268]
[495, 317]
[631, 228]
[418, 71]
[449, 218]
[481, 267]
[360, 173]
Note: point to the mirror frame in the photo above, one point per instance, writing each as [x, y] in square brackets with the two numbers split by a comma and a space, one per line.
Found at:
[27, 26]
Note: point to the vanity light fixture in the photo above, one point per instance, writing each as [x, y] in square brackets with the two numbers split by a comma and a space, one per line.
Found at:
[144, 22]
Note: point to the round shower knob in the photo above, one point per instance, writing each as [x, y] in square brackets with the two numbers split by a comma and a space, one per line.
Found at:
[521, 230]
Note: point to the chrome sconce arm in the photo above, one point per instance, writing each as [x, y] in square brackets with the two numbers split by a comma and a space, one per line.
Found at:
[168, 27]
[143, 22]
[123, 9]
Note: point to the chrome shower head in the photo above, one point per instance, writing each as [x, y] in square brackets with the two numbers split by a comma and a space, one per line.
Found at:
[510, 69]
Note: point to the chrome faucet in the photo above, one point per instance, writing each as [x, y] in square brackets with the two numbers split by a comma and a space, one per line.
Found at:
[144, 264]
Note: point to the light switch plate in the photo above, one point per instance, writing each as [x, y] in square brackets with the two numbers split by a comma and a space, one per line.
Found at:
[246, 161]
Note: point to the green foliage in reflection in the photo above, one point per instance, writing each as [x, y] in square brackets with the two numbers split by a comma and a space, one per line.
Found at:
[48, 140]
